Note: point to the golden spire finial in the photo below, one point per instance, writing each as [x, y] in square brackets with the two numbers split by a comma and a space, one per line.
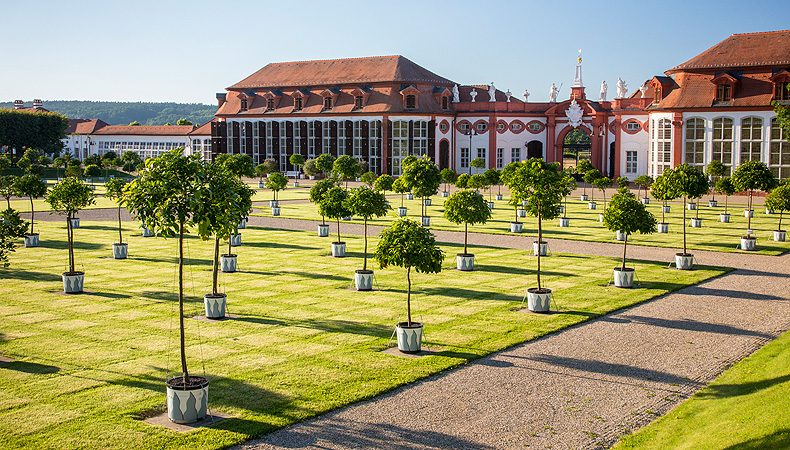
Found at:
[579, 59]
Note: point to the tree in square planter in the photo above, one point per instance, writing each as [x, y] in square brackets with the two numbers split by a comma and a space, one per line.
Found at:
[383, 183]
[547, 186]
[222, 202]
[448, 177]
[317, 193]
[346, 168]
[466, 207]
[602, 183]
[366, 203]
[369, 178]
[715, 170]
[12, 228]
[67, 198]
[515, 183]
[7, 188]
[644, 182]
[333, 205]
[32, 187]
[582, 168]
[297, 160]
[424, 177]
[752, 176]
[779, 200]
[589, 178]
[407, 244]
[324, 163]
[115, 191]
[478, 164]
[400, 186]
[166, 197]
[663, 191]
[687, 182]
[570, 186]
[311, 168]
[725, 187]
[276, 182]
[493, 177]
[628, 216]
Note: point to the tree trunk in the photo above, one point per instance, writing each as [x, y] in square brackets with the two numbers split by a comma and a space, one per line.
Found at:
[216, 266]
[181, 299]
[408, 296]
[365, 254]
[338, 229]
[401, 200]
[749, 219]
[663, 205]
[70, 233]
[32, 215]
[697, 209]
[625, 244]
[466, 231]
[120, 233]
[726, 198]
[540, 238]
[684, 224]
[515, 210]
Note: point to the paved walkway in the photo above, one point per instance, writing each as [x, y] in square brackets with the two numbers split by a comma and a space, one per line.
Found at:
[579, 388]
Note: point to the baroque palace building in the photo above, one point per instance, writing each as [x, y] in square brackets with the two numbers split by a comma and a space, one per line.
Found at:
[716, 106]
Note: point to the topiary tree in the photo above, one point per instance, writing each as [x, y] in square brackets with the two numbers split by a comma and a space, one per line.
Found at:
[423, 176]
[261, 170]
[753, 176]
[276, 182]
[462, 182]
[239, 165]
[325, 162]
[584, 166]
[492, 177]
[628, 215]
[311, 168]
[32, 187]
[366, 203]
[516, 184]
[622, 182]
[92, 170]
[369, 178]
[477, 163]
[383, 183]
[644, 182]
[477, 182]
[448, 177]
[114, 190]
[715, 170]
[318, 191]
[725, 187]
[570, 186]
[689, 182]
[68, 197]
[271, 166]
[346, 168]
[297, 160]
[12, 228]
[400, 186]
[466, 207]
[407, 244]
[7, 188]
[662, 191]
[589, 178]
[779, 200]
[333, 205]
[602, 183]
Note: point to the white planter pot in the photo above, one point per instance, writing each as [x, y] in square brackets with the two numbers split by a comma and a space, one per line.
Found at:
[544, 248]
[215, 305]
[31, 240]
[339, 249]
[75, 222]
[445, 194]
[665, 209]
[147, 232]
[312, 177]
[591, 205]
[187, 405]
[748, 243]
[522, 213]
[516, 227]
[235, 240]
[645, 201]
[296, 184]
[524, 203]
[769, 211]
[242, 225]
[73, 282]
[427, 202]
[691, 206]
[490, 205]
[748, 213]
[402, 211]
[561, 209]
[565, 222]
[261, 185]
[409, 337]
[712, 203]
[323, 230]
[624, 278]
[363, 280]
[684, 262]
[273, 203]
[409, 196]
[600, 217]
[227, 263]
[465, 261]
[620, 236]
[724, 218]
[499, 197]
[345, 218]
[426, 221]
[695, 223]
[663, 228]
[276, 211]
[779, 235]
[539, 301]
[120, 251]
[583, 198]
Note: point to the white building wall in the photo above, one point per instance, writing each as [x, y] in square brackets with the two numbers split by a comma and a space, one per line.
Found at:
[638, 142]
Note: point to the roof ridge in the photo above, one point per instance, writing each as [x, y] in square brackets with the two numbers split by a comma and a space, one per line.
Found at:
[760, 32]
[335, 59]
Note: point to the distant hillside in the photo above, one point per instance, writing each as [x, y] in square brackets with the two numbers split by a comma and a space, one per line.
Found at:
[124, 113]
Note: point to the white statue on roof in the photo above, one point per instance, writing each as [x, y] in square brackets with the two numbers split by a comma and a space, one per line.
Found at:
[604, 88]
[553, 93]
[526, 95]
[456, 94]
[508, 94]
[643, 89]
[473, 94]
[492, 93]
[622, 88]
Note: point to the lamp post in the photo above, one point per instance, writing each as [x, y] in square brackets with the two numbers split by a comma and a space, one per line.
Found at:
[470, 132]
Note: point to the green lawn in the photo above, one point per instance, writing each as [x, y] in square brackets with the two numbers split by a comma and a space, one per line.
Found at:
[744, 409]
[584, 224]
[89, 366]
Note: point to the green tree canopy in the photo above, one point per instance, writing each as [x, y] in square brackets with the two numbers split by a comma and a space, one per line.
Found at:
[183, 122]
[478, 163]
[779, 200]
[383, 183]
[68, 197]
[753, 176]
[311, 168]
[240, 165]
[296, 160]
[448, 176]
[32, 130]
[346, 168]
[628, 215]
[423, 176]
[688, 182]
[366, 203]
[276, 182]
[325, 162]
[319, 190]
[369, 178]
[333, 205]
[30, 186]
[584, 166]
[7, 188]
[12, 228]
[466, 207]
[462, 182]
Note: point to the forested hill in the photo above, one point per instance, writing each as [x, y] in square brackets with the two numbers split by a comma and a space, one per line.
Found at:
[124, 113]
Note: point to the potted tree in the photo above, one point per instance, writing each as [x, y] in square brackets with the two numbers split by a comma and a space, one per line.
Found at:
[369, 178]
[31, 186]
[406, 244]
[261, 170]
[602, 183]
[582, 168]
[478, 164]
[114, 190]
[12, 227]
[493, 177]
[424, 178]
[715, 170]
[67, 198]
[724, 187]
[689, 182]
[448, 177]
[663, 192]
[547, 186]
[383, 184]
[779, 200]
[589, 178]
[366, 203]
[297, 160]
[324, 163]
[462, 182]
[317, 193]
[276, 182]
[333, 205]
[751, 176]
[165, 197]
[7, 188]
[627, 215]
[644, 182]
[514, 180]
[346, 168]
[466, 207]
[400, 186]
[570, 183]
[311, 168]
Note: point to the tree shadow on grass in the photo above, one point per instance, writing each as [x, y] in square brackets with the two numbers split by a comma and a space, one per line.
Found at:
[327, 325]
[695, 325]
[323, 276]
[109, 295]
[734, 390]
[777, 440]
[276, 245]
[174, 260]
[518, 270]
[30, 367]
[28, 275]
[468, 294]
[64, 245]
[607, 368]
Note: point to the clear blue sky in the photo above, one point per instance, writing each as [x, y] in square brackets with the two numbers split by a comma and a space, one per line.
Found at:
[188, 51]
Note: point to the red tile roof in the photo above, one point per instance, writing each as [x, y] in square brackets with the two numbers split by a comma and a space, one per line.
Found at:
[203, 130]
[85, 126]
[771, 49]
[697, 91]
[151, 130]
[340, 72]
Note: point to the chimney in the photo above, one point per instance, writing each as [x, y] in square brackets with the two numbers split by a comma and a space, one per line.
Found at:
[220, 99]
[37, 103]
[19, 104]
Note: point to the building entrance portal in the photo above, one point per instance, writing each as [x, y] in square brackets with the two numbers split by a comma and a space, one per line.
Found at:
[575, 147]
[535, 150]
[444, 155]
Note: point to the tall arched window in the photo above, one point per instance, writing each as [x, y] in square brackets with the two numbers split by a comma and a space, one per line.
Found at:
[400, 144]
[779, 158]
[722, 141]
[695, 141]
[751, 139]
[662, 147]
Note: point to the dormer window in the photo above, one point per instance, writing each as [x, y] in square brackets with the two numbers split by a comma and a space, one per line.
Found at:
[269, 104]
[725, 86]
[781, 91]
[244, 104]
[723, 93]
[358, 102]
[445, 102]
[298, 104]
[657, 94]
[327, 103]
[411, 101]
